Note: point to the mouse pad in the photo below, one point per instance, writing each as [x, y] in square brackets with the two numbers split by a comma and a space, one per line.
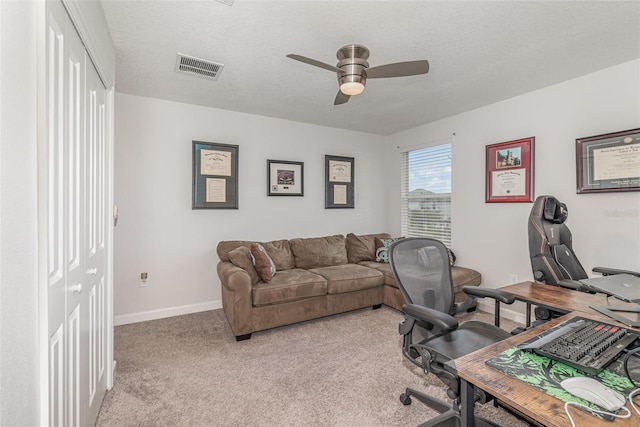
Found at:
[546, 375]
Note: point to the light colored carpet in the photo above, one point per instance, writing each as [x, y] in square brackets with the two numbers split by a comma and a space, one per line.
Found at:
[343, 370]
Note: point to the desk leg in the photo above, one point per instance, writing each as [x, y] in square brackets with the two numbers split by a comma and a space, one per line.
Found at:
[528, 315]
[467, 404]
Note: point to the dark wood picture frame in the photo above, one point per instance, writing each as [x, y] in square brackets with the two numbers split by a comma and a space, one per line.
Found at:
[510, 171]
[608, 163]
[339, 182]
[215, 176]
[285, 178]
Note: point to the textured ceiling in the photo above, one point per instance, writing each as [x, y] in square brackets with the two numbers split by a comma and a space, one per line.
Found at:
[479, 52]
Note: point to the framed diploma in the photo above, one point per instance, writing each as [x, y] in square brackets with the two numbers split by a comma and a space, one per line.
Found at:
[285, 178]
[609, 162]
[509, 171]
[339, 180]
[215, 176]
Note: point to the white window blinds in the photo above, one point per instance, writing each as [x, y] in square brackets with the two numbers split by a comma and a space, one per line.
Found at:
[426, 193]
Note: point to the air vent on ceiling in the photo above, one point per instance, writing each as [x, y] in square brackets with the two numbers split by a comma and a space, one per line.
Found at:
[198, 67]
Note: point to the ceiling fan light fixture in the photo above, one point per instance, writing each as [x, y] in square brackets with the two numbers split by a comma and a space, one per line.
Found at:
[353, 70]
[351, 88]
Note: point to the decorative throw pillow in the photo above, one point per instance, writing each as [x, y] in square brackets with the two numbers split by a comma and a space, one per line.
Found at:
[382, 248]
[362, 247]
[262, 262]
[452, 257]
[241, 257]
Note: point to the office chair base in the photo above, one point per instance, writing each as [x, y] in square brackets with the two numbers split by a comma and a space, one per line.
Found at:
[449, 417]
[432, 402]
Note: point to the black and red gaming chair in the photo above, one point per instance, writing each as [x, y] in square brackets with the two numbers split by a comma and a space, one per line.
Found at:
[551, 250]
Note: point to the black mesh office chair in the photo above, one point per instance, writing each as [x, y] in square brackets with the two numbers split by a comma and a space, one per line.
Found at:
[430, 332]
[551, 248]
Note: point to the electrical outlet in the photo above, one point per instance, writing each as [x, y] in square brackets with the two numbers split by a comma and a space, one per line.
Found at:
[144, 280]
[514, 278]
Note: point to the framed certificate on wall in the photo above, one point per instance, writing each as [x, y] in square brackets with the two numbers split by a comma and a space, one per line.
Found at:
[509, 171]
[339, 182]
[608, 163]
[215, 176]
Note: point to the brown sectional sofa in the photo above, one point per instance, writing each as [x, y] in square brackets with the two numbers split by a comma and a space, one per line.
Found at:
[314, 277]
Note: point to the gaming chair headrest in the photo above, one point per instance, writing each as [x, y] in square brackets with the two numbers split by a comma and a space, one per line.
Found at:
[555, 211]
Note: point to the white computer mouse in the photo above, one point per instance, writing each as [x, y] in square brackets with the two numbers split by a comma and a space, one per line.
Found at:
[594, 391]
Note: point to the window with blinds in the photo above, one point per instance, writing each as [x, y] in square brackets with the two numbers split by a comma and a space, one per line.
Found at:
[426, 193]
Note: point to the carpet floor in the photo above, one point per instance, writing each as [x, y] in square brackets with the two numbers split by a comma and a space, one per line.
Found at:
[343, 370]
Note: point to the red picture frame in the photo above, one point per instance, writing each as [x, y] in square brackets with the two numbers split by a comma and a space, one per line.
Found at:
[509, 171]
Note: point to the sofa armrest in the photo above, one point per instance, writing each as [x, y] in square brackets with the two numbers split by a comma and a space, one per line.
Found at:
[233, 277]
[236, 297]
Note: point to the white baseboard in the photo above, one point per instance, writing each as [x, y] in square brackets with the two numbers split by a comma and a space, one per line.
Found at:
[113, 375]
[144, 316]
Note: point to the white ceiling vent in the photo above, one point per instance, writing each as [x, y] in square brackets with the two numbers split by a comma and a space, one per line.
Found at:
[198, 67]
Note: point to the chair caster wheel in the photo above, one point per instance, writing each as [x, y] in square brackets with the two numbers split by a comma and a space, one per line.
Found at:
[406, 400]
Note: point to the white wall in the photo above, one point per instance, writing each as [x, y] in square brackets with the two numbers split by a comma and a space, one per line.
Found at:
[19, 368]
[160, 234]
[492, 237]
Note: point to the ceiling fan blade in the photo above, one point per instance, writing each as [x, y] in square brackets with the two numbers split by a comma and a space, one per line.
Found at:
[314, 62]
[341, 98]
[398, 69]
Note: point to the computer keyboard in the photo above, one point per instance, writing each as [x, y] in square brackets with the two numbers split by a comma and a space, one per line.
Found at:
[584, 344]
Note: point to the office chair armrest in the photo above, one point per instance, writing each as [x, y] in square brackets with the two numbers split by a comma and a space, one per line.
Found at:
[606, 271]
[576, 285]
[496, 294]
[429, 315]
[465, 305]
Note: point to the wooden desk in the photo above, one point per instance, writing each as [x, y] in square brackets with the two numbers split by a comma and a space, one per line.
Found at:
[561, 299]
[534, 404]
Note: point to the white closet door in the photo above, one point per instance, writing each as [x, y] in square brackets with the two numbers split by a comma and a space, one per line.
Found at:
[75, 229]
[74, 181]
[95, 246]
[55, 214]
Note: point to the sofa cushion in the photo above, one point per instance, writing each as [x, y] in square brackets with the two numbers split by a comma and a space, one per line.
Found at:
[319, 251]
[383, 268]
[289, 285]
[225, 247]
[262, 262]
[363, 247]
[280, 253]
[460, 276]
[349, 278]
[241, 257]
[464, 277]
